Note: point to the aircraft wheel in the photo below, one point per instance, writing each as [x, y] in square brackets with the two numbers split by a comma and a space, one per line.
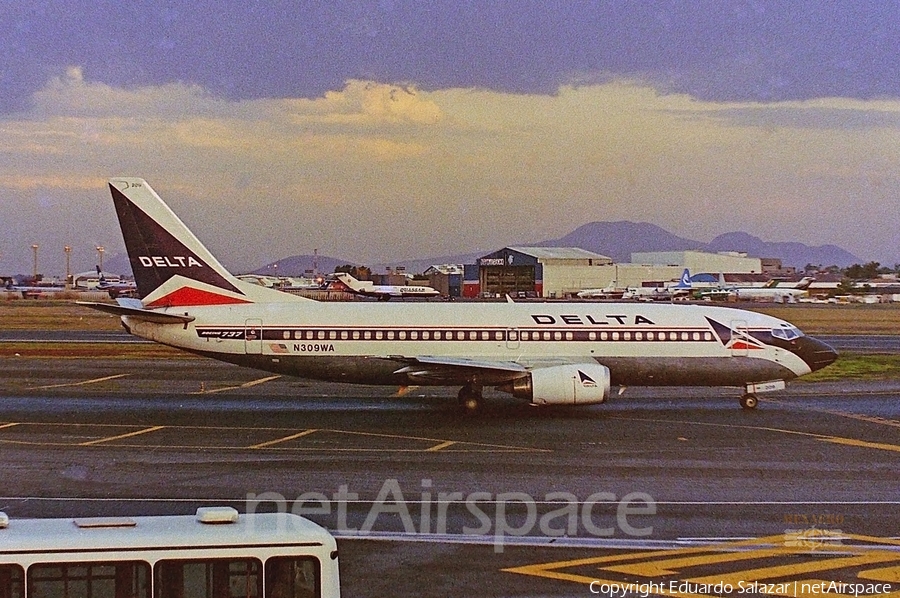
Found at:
[749, 401]
[470, 400]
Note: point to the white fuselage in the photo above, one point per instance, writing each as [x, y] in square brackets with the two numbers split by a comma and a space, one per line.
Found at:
[657, 344]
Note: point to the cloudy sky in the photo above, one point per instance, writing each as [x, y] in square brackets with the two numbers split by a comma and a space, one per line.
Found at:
[379, 131]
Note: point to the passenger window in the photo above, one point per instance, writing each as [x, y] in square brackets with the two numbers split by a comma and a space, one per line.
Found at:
[129, 579]
[292, 577]
[11, 581]
[213, 578]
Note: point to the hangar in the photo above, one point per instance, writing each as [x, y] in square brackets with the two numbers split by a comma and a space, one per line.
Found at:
[532, 271]
[701, 261]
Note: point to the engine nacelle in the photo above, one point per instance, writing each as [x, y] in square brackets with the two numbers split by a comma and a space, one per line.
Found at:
[583, 384]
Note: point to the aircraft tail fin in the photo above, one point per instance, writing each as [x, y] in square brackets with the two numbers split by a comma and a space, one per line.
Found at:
[685, 281]
[805, 282]
[171, 266]
[348, 281]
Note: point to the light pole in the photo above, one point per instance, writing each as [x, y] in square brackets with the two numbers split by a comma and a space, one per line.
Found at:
[100, 250]
[34, 249]
[68, 250]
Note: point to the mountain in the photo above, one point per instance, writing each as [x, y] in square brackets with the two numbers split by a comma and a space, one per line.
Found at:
[619, 240]
[297, 265]
[791, 253]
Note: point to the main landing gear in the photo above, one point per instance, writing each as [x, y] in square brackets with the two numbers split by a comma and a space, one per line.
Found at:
[470, 399]
[749, 401]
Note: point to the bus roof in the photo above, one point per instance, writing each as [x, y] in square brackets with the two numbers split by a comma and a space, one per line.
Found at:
[159, 532]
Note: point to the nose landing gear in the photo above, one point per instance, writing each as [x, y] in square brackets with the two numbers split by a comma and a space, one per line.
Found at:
[749, 401]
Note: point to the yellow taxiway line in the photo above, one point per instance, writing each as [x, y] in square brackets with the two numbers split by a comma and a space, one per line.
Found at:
[82, 383]
[121, 436]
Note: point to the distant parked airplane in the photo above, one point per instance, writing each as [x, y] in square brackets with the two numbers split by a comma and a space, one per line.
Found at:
[383, 292]
[115, 289]
[774, 291]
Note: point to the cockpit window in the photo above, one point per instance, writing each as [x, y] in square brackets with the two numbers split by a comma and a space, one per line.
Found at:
[786, 332]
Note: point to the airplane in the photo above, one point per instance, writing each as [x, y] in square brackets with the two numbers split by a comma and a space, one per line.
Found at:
[37, 291]
[679, 291]
[609, 292]
[367, 288]
[773, 291]
[115, 289]
[543, 353]
[721, 292]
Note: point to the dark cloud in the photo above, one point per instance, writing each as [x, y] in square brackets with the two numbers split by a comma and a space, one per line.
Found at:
[717, 50]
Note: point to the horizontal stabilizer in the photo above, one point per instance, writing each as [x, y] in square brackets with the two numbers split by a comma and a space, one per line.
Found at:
[141, 314]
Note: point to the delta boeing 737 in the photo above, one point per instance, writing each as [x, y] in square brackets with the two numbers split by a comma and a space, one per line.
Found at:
[543, 353]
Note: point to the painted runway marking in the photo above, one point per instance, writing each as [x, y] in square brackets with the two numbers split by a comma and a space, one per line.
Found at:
[121, 436]
[284, 439]
[872, 419]
[82, 383]
[440, 446]
[784, 561]
[823, 437]
[328, 440]
[238, 387]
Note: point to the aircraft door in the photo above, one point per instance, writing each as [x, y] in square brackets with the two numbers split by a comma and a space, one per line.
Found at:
[253, 336]
[512, 338]
[740, 335]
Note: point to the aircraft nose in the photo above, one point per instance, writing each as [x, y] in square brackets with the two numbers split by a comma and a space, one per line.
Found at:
[815, 353]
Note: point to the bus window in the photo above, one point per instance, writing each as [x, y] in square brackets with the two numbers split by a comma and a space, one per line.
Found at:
[125, 579]
[292, 577]
[11, 585]
[213, 578]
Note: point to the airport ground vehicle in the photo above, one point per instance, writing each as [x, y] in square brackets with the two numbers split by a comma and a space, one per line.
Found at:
[217, 554]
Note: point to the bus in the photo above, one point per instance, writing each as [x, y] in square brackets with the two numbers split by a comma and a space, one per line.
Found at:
[218, 553]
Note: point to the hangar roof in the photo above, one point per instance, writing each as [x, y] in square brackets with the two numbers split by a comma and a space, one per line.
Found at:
[561, 253]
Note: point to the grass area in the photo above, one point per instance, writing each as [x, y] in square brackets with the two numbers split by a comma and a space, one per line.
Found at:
[881, 318]
[24, 314]
[92, 350]
[852, 366]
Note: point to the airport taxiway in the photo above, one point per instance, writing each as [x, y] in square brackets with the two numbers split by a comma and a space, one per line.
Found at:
[735, 494]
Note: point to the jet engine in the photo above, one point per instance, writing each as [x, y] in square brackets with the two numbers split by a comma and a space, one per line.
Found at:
[582, 384]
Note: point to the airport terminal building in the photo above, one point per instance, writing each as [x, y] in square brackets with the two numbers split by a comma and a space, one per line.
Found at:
[532, 271]
[557, 272]
[701, 261]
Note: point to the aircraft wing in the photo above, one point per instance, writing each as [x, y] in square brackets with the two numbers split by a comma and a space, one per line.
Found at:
[139, 313]
[459, 370]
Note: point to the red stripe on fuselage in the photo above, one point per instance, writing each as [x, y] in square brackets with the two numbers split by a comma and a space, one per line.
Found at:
[192, 296]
